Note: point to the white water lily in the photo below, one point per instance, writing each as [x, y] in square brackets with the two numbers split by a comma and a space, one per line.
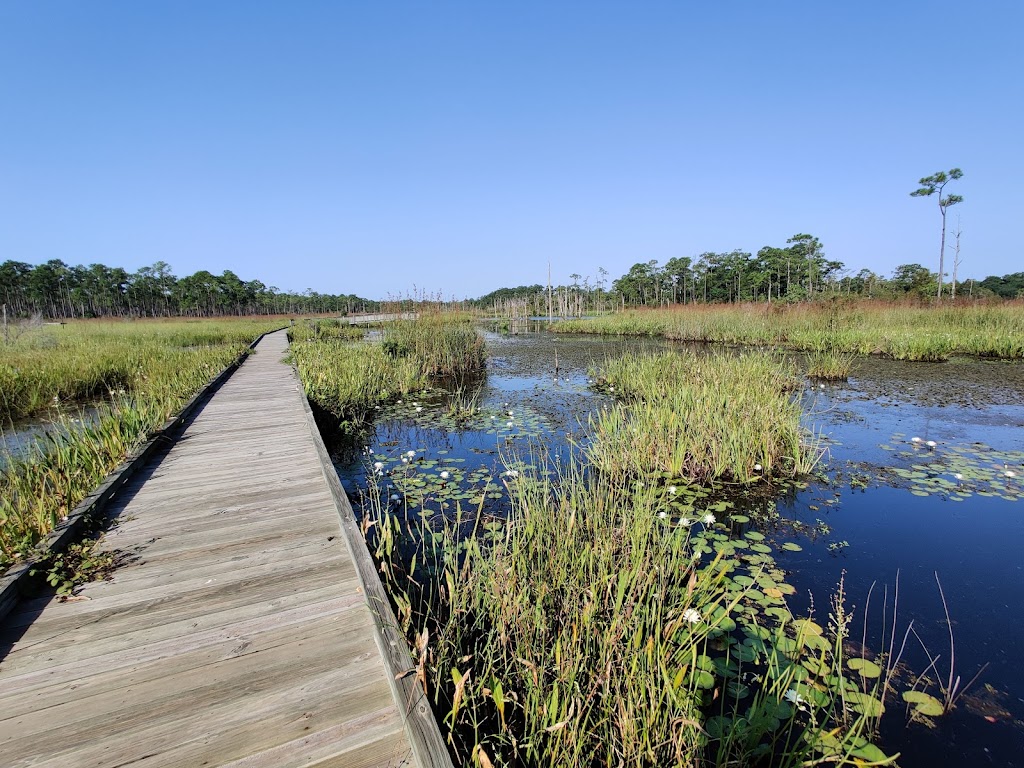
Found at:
[510, 413]
[931, 443]
[511, 473]
[445, 475]
[793, 697]
[685, 522]
[958, 476]
[915, 439]
[662, 515]
[1009, 473]
[672, 489]
[693, 616]
[378, 465]
[395, 497]
[708, 519]
[410, 454]
[509, 423]
[405, 459]
[419, 408]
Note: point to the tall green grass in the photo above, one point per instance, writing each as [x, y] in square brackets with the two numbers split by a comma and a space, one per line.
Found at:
[62, 365]
[904, 332]
[350, 379]
[699, 418]
[442, 345]
[156, 367]
[592, 629]
[325, 328]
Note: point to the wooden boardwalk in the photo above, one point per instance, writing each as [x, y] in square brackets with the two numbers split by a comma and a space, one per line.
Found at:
[241, 636]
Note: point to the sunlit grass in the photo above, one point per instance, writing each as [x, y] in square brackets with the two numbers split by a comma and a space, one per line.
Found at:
[61, 365]
[701, 418]
[590, 628]
[144, 372]
[904, 332]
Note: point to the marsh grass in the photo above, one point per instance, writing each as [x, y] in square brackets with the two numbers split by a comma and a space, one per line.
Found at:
[157, 367]
[588, 629]
[64, 365]
[443, 344]
[352, 379]
[900, 331]
[325, 328]
[701, 418]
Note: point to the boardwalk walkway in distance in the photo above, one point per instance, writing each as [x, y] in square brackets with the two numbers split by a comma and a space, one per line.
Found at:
[241, 636]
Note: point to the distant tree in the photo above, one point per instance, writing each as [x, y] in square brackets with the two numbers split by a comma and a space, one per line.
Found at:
[929, 186]
[678, 274]
[1008, 286]
[913, 278]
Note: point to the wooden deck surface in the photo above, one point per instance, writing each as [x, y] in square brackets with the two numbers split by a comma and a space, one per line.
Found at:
[239, 637]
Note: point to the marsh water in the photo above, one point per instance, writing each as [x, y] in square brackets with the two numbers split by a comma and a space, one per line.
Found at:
[881, 506]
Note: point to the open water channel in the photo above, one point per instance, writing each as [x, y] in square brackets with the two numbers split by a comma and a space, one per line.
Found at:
[882, 504]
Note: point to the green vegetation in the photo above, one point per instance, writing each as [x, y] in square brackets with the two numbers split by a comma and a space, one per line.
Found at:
[929, 186]
[325, 328]
[701, 418]
[605, 619]
[594, 628]
[896, 330]
[79, 564]
[53, 366]
[443, 344]
[144, 372]
[351, 379]
[56, 289]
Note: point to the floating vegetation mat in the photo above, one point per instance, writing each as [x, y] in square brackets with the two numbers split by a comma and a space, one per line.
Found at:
[956, 472]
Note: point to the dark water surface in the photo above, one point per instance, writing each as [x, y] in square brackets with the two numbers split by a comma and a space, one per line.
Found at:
[883, 505]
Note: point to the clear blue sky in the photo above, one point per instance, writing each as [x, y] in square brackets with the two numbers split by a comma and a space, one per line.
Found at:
[373, 147]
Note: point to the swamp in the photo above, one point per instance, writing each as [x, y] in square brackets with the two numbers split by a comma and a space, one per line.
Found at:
[580, 590]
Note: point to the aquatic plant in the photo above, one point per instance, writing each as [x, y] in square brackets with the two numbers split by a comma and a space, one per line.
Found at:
[350, 379]
[592, 628]
[700, 418]
[442, 344]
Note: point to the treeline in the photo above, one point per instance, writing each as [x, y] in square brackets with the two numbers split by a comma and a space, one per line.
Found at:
[56, 290]
[798, 271]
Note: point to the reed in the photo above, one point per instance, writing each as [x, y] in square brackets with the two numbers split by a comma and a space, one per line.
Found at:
[701, 418]
[442, 344]
[591, 629]
[325, 328]
[351, 379]
[900, 331]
